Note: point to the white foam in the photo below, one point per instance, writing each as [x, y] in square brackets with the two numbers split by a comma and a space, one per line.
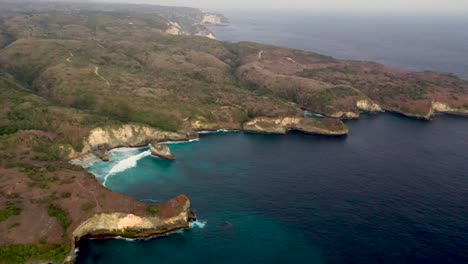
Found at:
[127, 149]
[126, 164]
[179, 142]
[198, 224]
[217, 131]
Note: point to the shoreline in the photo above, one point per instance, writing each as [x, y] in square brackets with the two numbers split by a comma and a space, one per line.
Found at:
[89, 159]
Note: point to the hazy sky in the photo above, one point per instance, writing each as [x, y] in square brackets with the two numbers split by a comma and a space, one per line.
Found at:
[407, 5]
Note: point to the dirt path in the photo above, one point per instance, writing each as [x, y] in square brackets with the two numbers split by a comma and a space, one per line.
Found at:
[96, 71]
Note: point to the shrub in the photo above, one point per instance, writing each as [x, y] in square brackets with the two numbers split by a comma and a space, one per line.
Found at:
[13, 254]
[8, 212]
[65, 195]
[60, 214]
[152, 210]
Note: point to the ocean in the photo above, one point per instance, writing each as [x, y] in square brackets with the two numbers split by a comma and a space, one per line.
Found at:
[395, 190]
[426, 41]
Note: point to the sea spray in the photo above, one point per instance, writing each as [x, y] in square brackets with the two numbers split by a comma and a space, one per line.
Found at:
[128, 149]
[218, 131]
[198, 224]
[180, 142]
[126, 164]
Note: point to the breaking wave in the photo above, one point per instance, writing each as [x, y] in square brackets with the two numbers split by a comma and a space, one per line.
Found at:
[217, 131]
[198, 224]
[179, 142]
[126, 164]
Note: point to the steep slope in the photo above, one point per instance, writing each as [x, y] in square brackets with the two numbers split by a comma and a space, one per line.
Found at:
[339, 88]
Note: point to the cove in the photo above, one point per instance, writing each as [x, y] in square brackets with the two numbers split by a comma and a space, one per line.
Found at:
[394, 190]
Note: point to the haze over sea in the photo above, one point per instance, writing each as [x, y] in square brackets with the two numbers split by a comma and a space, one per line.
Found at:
[426, 41]
[395, 190]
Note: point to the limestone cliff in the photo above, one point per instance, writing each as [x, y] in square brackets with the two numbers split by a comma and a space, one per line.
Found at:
[103, 139]
[368, 106]
[172, 215]
[440, 107]
[330, 127]
[174, 29]
[346, 115]
[214, 19]
[203, 125]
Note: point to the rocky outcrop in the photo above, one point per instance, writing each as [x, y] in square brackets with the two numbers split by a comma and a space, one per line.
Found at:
[440, 107]
[203, 125]
[103, 139]
[345, 115]
[323, 126]
[161, 150]
[170, 216]
[174, 29]
[368, 106]
[214, 19]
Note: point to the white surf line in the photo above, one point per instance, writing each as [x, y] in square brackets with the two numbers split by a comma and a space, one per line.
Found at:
[199, 223]
[217, 131]
[96, 71]
[126, 164]
[180, 142]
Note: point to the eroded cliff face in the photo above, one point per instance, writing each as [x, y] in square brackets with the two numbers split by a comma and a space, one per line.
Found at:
[213, 19]
[172, 215]
[199, 125]
[174, 29]
[368, 106]
[440, 107]
[103, 139]
[331, 127]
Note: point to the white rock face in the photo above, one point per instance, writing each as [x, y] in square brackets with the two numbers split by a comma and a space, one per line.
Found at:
[212, 19]
[283, 125]
[206, 34]
[350, 115]
[368, 106]
[174, 29]
[444, 108]
[127, 136]
[119, 223]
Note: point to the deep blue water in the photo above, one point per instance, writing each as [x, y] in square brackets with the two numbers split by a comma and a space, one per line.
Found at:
[424, 41]
[395, 190]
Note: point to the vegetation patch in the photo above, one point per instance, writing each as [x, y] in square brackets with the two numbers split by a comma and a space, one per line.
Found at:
[17, 254]
[87, 206]
[61, 215]
[9, 212]
[152, 210]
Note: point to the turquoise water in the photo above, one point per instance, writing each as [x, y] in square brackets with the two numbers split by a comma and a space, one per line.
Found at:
[393, 191]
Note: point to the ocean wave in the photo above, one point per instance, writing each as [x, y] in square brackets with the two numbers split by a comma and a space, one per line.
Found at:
[198, 224]
[217, 131]
[128, 149]
[179, 142]
[126, 164]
